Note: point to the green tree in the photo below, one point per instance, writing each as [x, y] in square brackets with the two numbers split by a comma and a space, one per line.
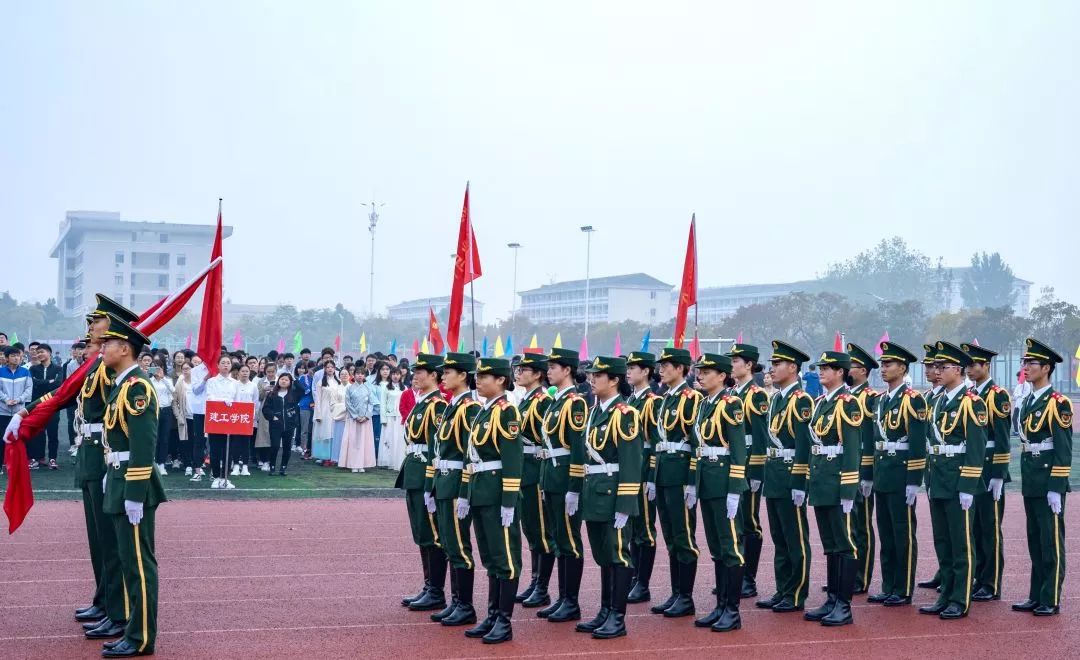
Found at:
[891, 271]
[1056, 323]
[997, 328]
[989, 283]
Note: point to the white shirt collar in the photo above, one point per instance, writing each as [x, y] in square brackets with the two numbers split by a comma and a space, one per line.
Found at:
[1034, 395]
[605, 404]
[714, 397]
[123, 374]
[675, 390]
[830, 395]
[952, 394]
[425, 397]
[457, 397]
[490, 402]
[896, 391]
[981, 389]
[641, 393]
[561, 393]
[791, 386]
[742, 387]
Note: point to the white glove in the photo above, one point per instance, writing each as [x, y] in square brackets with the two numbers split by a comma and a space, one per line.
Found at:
[965, 500]
[620, 520]
[12, 430]
[909, 494]
[732, 505]
[507, 513]
[690, 496]
[798, 497]
[755, 485]
[571, 503]
[995, 487]
[1053, 498]
[650, 491]
[134, 511]
[846, 505]
[866, 487]
[429, 502]
[462, 508]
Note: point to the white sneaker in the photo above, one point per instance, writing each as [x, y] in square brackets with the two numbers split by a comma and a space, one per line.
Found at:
[187, 472]
[265, 467]
[161, 469]
[235, 470]
[244, 470]
[197, 477]
[177, 464]
[229, 485]
[216, 483]
[355, 470]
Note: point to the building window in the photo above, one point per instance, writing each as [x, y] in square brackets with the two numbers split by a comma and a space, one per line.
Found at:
[652, 313]
[119, 258]
[179, 281]
[181, 260]
[119, 279]
[163, 238]
[134, 238]
[133, 280]
[652, 295]
[163, 259]
[131, 300]
[162, 281]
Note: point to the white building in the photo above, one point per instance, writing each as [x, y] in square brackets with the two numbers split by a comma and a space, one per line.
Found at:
[720, 302]
[636, 297]
[417, 310]
[135, 263]
[954, 296]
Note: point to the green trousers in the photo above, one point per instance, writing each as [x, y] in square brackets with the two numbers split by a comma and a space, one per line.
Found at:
[897, 527]
[566, 529]
[836, 532]
[644, 523]
[424, 531]
[723, 534]
[108, 575]
[536, 521]
[610, 546]
[135, 545]
[791, 541]
[989, 543]
[1046, 546]
[954, 547]
[750, 513]
[862, 528]
[500, 547]
[678, 523]
[454, 534]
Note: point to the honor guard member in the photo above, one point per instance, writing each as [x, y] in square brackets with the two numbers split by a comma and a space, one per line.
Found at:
[640, 366]
[1046, 419]
[420, 428]
[561, 476]
[133, 486]
[744, 364]
[611, 492]
[787, 466]
[899, 464]
[495, 461]
[675, 480]
[836, 434]
[449, 486]
[958, 422]
[933, 378]
[990, 503]
[862, 363]
[721, 479]
[535, 520]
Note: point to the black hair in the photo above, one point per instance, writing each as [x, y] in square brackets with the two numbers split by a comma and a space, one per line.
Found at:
[327, 351]
[391, 355]
[4, 335]
[580, 377]
[378, 376]
[272, 355]
[35, 343]
[19, 345]
[1052, 366]
[305, 350]
[685, 368]
[188, 353]
[623, 387]
[289, 355]
[79, 344]
[283, 374]
[10, 350]
[45, 347]
[401, 380]
[325, 376]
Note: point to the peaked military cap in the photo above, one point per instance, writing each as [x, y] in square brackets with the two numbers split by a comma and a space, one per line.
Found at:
[788, 353]
[893, 351]
[675, 356]
[537, 362]
[428, 362]
[745, 351]
[120, 329]
[1036, 350]
[946, 352]
[714, 361]
[931, 352]
[604, 364]
[641, 358]
[106, 306]
[565, 357]
[834, 359]
[493, 367]
[978, 353]
[460, 362]
[860, 357]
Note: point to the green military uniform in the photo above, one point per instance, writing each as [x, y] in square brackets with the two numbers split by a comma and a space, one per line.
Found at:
[643, 536]
[676, 467]
[835, 457]
[447, 483]
[562, 472]
[787, 466]
[421, 425]
[956, 465]
[536, 521]
[930, 396]
[899, 463]
[862, 515]
[720, 437]
[130, 442]
[610, 498]
[990, 509]
[1046, 419]
[495, 466]
[756, 408]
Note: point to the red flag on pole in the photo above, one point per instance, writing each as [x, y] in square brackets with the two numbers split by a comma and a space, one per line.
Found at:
[337, 343]
[415, 348]
[434, 335]
[466, 269]
[187, 342]
[695, 347]
[618, 343]
[210, 325]
[583, 352]
[738, 340]
[838, 342]
[19, 497]
[688, 289]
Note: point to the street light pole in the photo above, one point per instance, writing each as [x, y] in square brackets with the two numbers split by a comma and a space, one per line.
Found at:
[373, 219]
[588, 229]
[513, 307]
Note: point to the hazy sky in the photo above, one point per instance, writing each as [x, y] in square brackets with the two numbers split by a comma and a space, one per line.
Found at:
[799, 132]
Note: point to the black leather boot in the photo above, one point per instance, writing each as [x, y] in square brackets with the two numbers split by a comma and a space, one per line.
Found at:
[91, 613]
[752, 545]
[684, 604]
[605, 604]
[570, 610]
[720, 573]
[502, 631]
[485, 626]
[673, 567]
[550, 609]
[107, 630]
[540, 596]
[639, 593]
[841, 614]
[435, 598]
[615, 626]
[408, 600]
[452, 604]
[832, 588]
[730, 619]
[464, 613]
[527, 591]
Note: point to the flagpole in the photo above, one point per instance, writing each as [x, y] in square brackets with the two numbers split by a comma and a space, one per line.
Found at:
[472, 299]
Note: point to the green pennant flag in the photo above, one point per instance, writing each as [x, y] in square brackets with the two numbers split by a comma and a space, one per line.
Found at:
[670, 343]
[14, 338]
[461, 345]
[297, 342]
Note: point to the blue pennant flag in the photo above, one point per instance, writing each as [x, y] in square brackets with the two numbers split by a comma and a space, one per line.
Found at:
[645, 341]
[393, 347]
[510, 346]
[483, 348]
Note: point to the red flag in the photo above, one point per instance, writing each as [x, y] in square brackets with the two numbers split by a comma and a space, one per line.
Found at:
[618, 343]
[838, 342]
[210, 325]
[20, 494]
[583, 351]
[695, 347]
[337, 343]
[738, 340]
[466, 269]
[187, 342]
[688, 289]
[433, 333]
[415, 348]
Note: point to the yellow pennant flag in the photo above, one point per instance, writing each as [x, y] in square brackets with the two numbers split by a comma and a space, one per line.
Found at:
[499, 351]
[363, 342]
[1078, 366]
[535, 344]
[558, 340]
[424, 346]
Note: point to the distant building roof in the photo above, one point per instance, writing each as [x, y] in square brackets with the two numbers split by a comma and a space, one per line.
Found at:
[434, 302]
[76, 221]
[632, 281]
[736, 289]
[964, 270]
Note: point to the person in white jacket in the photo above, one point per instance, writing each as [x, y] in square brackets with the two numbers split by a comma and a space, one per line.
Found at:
[221, 388]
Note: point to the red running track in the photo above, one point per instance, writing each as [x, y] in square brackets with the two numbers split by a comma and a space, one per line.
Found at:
[324, 578]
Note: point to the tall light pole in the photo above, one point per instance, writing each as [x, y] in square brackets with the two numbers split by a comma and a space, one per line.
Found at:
[341, 329]
[373, 219]
[513, 307]
[588, 229]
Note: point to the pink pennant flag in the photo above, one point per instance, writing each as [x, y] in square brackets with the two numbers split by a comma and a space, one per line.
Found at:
[738, 340]
[975, 342]
[884, 338]
[237, 340]
[187, 342]
[838, 342]
[281, 345]
[618, 343]
[584, 352]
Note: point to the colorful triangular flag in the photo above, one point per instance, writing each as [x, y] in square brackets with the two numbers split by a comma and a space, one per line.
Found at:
[424, 346]
[583, 352]
[1077, 356]
[558, 340]
[337, 343]
[645, 341]
[237, 340]
[499, 352]
[393, 346]
[281, 345]
[363, 342]
[509, 345]
[187, 342]
[415, 348]
[884, 338]
[484, 347]
[738, 340]
[534, 343]
[618, 343]
[670, 343]
[695, 347]
[838, 342]
[297, 342]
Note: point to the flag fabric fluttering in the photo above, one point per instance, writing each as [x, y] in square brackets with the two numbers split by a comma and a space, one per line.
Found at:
[424, 347]
[534, 343]
[187, 342]
[281, 345]
[415, 348]
[695, 346]
[298, 343]
[688, 288]
[461, 345]
[738, 340]
[558, 340]
[645, 341]
[884, 338]
[393, 344]
[838, 342]
[19, 498]
[509, 345]
[14, 338]
[337, 343]
[434, 333]
[238, 340]
[484, 347]
[670, 343]
[618, 344]
[210, 323]
[583, 352]
[1077, 356]
[499, 350]
[466, 269]
[363, 343]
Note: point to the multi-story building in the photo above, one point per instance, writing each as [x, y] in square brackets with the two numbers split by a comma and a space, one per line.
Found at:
[636, 297]
[136, 263]
[954, 291]
[720, 302]
[417, 310]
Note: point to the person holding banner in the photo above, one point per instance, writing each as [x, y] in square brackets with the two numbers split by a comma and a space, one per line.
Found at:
[224, 389]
